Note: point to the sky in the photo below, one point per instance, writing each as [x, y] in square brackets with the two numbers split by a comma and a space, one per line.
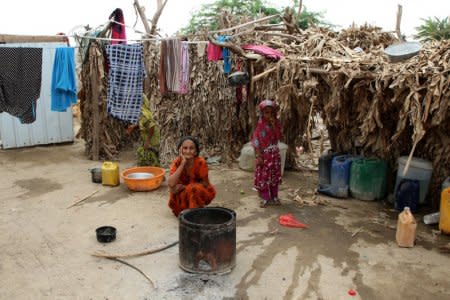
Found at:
[48, 17]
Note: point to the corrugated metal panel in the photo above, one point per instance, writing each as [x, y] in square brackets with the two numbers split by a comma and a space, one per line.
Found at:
[50, 126]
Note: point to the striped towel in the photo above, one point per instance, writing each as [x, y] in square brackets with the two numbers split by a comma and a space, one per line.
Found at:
[184, 76]
[126, 80]
[20, 82]
[173, 64]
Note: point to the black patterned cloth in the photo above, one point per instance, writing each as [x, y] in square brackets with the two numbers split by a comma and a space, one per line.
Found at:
[126, 81]
[20, 82]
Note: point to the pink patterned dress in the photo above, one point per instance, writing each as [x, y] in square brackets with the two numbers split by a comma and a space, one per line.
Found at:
[267, 175]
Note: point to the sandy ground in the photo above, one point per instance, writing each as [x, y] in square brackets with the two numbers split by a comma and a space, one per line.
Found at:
[45, 247]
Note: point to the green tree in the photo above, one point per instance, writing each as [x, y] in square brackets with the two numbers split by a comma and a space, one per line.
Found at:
[207, 17]
[433, 29]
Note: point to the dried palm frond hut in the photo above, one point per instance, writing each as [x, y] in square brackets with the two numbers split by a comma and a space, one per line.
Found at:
[368, 104]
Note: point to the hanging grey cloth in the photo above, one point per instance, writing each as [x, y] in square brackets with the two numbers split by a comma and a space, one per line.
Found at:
[20, 82]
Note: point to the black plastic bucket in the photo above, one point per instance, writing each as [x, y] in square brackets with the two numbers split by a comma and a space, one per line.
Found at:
[207, 240]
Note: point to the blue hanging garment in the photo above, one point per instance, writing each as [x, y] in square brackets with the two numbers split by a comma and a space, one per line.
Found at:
[64, 84]
[226, 55]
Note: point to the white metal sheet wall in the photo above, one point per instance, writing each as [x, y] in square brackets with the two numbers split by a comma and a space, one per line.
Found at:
[50, 126]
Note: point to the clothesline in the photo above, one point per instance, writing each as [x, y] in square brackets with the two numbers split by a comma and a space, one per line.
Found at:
[135, 30]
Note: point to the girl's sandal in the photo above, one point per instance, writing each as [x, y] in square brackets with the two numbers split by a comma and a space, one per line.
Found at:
[276, 202]
[263, 203]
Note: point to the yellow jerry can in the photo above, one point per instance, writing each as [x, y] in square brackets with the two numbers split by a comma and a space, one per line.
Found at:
[444, 219]
[110, 173]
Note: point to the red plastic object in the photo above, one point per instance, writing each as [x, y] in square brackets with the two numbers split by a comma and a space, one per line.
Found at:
[351, 292]
[290, 221]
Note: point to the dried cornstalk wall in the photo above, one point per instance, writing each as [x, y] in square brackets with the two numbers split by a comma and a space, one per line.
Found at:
[369, 105]
[206, 112]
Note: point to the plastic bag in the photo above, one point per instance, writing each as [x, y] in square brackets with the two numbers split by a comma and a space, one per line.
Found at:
[290, 221]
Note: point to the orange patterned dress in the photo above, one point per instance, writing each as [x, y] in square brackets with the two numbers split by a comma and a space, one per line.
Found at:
[198, 191]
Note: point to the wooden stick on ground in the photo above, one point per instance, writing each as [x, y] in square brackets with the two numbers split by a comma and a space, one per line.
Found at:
[357, 231]
[136, 268]
[146, 252]
[83, 199]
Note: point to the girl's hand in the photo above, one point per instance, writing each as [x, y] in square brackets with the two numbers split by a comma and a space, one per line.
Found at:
[259, 160]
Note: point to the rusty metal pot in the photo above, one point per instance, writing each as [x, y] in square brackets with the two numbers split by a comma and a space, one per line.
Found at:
[207, 240]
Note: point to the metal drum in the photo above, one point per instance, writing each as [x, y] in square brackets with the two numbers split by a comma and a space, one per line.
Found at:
[207, 240]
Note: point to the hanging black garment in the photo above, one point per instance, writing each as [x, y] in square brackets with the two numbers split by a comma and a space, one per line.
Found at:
[20, 82]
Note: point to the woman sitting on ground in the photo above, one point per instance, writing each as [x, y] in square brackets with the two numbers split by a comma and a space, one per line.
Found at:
[188, 180]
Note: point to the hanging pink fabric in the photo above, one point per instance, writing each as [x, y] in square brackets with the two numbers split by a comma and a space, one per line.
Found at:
[264, 50]
[184, 77]
[214, 52]
[118, 30]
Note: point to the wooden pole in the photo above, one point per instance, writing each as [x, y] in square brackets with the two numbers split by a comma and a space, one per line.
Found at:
[245, 24]
[11, 38]
[250, 97]
[93, 52]
[157, 15]
[263, 74]
[399, 20]
[143, 17]
[300, 4]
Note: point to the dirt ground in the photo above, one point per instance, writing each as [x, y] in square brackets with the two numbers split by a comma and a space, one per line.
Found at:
[45, 249]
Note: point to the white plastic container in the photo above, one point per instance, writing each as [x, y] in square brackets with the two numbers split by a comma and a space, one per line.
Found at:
[431, 219]
[419, 169]
[247, 157]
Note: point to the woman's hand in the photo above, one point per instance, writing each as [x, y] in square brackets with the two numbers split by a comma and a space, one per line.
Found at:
[183, 158]
[177, 189]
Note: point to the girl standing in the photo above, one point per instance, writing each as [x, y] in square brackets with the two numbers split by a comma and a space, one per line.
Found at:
[268, 160]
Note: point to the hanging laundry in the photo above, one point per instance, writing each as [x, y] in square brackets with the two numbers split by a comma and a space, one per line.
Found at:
[125, 81]
[184, 78]
[226, 55]
[214, 52]
[64, 82]
[264, 50]
[162, 68]
[118, 27]
[20, 82]
[174, 66]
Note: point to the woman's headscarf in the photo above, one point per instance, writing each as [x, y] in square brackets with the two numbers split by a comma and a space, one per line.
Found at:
[191, 138]
[264, 134]
[266, 103]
